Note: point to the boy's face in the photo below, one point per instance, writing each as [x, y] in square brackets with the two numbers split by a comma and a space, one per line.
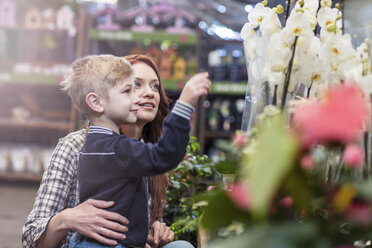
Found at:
[122, 105]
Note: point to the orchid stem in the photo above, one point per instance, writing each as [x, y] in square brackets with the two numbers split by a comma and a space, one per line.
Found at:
[309, 89]
[287, 12]
[275, 94]
[365, 141]
[342, 7]
[288, 75]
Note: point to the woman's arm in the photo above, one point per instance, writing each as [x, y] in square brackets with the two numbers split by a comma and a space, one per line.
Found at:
[87, 219]
[160, 234]
[58, 188]
[55, 211]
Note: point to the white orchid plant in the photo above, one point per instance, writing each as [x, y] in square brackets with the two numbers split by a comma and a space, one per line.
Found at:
[302, 181]
[307, 47]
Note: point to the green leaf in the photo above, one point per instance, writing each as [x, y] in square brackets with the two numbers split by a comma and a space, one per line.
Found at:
[269, 165]
[297, 187]
[227, 166]
[223, 145]
[365, 189]
[284, 235]
[221, 211]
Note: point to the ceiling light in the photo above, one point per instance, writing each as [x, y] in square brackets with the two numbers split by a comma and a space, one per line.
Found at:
[248, 8]
[221, 9]
[102, 1]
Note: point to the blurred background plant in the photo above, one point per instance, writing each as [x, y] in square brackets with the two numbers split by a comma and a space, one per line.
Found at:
[190, 178]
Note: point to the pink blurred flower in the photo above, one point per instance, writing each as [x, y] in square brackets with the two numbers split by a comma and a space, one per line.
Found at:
[210, 188]
[360, 213]
[239, 139]
[240, 195]
[286, 202]
[339, 117]
[353, 156]
[307, 162]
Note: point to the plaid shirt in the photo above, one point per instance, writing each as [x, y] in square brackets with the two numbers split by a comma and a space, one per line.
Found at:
[58, 189]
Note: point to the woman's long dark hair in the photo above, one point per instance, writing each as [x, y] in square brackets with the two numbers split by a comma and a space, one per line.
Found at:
[151, 133]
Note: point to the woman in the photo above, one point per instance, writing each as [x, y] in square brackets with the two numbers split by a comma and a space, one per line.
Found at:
[56, 209]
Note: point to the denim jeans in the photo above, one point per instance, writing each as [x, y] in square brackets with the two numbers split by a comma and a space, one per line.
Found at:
[178, 244]
[79, 241]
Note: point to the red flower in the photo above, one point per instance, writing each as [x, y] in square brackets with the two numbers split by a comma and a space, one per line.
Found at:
[239, 139]
[340, 117]
[210, 187]
[307, 162]
[286, 202]
[240, 196]
[353, 156]
[360, 213]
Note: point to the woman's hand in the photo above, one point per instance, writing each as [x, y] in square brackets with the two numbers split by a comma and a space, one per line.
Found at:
[92, 220]
[160, 234]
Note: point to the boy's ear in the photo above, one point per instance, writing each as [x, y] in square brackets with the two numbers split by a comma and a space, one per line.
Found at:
[94, 102]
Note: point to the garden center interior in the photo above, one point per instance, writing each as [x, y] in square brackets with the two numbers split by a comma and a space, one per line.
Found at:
[40, 39]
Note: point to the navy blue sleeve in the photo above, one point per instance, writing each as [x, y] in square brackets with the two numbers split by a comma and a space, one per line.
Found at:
[145, 159]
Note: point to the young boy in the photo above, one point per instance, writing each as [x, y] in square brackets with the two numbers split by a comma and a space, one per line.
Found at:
[112, 166]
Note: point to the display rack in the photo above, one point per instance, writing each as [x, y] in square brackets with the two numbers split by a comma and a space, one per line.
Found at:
[35, 54]
[218, 117]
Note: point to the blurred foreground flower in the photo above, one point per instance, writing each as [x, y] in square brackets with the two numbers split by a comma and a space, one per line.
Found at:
[340, 117]
[240, 195]
[239, 139]
[353, 156]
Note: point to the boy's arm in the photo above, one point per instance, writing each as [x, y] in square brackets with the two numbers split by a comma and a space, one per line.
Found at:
[150, 159]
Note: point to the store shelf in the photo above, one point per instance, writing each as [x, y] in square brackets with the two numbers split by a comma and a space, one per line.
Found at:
[217, 135]
[18, 176]
[6, 77]
[228, 88]
[217, 88]
[153, 37]
[58, 125]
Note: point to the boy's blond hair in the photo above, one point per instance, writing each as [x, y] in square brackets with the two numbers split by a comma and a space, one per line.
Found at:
[97, 74]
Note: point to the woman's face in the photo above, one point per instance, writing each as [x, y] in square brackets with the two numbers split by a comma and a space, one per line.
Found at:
[147, 87]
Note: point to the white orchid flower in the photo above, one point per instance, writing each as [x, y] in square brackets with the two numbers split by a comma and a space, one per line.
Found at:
[309, 10]
[250, 45]
[326, 3]
[256, 15]
[362, 50]
[311, 6]
[341, 59]
[298, 24]
[306, 50]
[364, 54]
[247, 31]
[330, 19]
[351, 69]
[277, 58]
[270, 25]
[366, 85]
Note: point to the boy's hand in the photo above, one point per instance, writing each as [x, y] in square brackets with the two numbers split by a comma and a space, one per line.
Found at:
[198, 85]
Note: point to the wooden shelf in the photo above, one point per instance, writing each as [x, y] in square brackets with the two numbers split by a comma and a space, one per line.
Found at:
[63, 126]
[24, 176]
[217, 134]
[155, 36]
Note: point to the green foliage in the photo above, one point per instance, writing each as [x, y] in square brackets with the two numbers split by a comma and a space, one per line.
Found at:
[279, 235]
[265, 172]
[190, 178]
[218, 203]
[276, 201]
